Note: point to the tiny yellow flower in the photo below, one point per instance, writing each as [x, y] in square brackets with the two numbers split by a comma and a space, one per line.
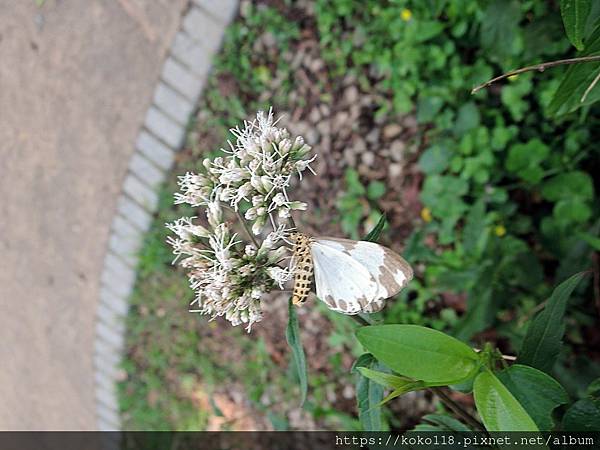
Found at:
[426, 215]
[406, 14]
[500, 230]
[513, 77]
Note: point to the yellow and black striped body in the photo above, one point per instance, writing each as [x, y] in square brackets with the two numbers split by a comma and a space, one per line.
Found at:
[303, 268]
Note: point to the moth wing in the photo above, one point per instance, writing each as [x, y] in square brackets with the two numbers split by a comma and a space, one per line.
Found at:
[342, 282]
[374, 306]
[390, 271]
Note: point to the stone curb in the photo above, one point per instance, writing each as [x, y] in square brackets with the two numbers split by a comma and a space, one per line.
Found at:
[184, 73]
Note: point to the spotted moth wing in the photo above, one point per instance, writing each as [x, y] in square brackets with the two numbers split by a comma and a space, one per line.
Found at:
[357, 276]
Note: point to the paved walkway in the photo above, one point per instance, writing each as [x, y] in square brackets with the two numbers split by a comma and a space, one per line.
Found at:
[76, 80]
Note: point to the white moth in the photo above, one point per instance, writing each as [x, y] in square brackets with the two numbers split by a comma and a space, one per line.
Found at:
[350, 276]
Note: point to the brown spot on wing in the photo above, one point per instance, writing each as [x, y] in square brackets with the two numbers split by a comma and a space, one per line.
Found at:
[329, 301]
[392, 262]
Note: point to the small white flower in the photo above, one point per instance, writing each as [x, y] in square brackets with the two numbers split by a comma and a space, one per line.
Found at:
[279, 199]
[214, 213]
[279, 275]
[283, 213]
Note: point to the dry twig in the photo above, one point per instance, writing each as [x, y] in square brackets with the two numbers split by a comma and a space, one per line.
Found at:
[537, 67]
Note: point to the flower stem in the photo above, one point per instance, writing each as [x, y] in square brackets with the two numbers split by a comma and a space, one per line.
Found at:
[457, 408]
[248, 230]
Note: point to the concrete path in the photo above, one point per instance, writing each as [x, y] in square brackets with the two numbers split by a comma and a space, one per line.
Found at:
[76, 79]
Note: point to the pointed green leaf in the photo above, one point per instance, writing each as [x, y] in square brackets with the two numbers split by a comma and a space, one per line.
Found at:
[409, 387]
[368, 395]
[384, 379]
[420, 353]
[499, 410]
[537, 392]
[543, 339]
[574, 14]
[577, 79]
[400, 385]
[376, 231]
[292, 335]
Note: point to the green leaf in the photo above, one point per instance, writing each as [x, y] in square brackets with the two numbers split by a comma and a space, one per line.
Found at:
[577, 79]
[292, 335]
[375, 190]
[499, 410]
[428, 108]
[368, 395]
[467, 119]
[574, 14]
[475, 234]
[435, 159]
[384, 379]
[584, 415]
[420, 353]
[443, 195]
[543, 339]
[440, 422]
[567, 185]
[500, 29]
[593, 241]
[575, 210]
[428, 29]
[513, 96]
[400, 385]
[376, 231]
[480, 307]
[353, 183]
[537, 392]
[525, 160]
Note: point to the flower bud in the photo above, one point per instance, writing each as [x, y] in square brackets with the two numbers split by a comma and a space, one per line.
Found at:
[214, 213]
[298, 206]
[200, 231]
[298, 143]
[279, 199]
[266, 182]
[285, 146]
[283, 213]
[278, 254]
[302, 151]
[251, 213]
[258, 200]
[258, 225]
[256, 183]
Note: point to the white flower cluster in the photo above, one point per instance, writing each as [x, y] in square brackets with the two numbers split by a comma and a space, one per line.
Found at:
[231, 276]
